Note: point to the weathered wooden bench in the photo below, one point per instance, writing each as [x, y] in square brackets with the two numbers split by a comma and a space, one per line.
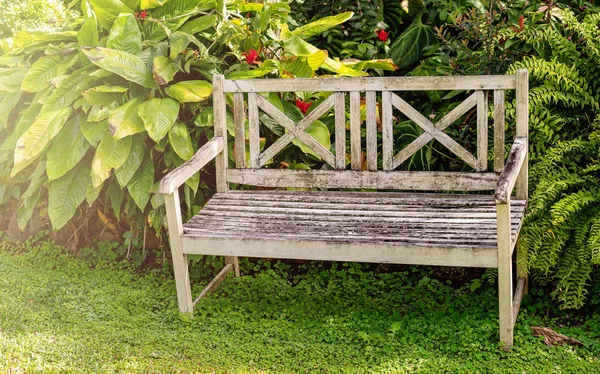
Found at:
[478, 230]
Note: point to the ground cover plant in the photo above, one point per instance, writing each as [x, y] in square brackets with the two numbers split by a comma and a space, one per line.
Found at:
[92, 314]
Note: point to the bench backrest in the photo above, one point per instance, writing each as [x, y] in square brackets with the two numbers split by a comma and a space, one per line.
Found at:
[376, 91]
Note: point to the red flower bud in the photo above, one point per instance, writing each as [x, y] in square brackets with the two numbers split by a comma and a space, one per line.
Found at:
[303, 106]
[382, 35]
[143, 14]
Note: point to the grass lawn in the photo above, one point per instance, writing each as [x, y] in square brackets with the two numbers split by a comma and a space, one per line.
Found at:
[58, 314]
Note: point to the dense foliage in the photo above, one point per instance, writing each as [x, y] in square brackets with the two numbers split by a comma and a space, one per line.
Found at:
[100, 111]
[59, 315]
[17, 15]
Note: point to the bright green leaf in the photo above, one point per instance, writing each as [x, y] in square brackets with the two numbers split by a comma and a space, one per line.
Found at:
[190, 91]
[94, 131]
[121, 63]
[124, 120]
[181, 141]
[323, 24]
[37, 137]
[67, 193]
[39, 74]
[159, 115]
[107, 11]
[141, 183]
[128, 169]
[67, 149]
[110, 154]
[320, 132]
[125, 35]
[163, 70]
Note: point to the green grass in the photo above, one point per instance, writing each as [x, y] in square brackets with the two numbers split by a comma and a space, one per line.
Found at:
[57, 314]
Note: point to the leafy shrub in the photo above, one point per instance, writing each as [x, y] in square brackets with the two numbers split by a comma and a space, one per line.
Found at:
[98, 113]
[17, 15]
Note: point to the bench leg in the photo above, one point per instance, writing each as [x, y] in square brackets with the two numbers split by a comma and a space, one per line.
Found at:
[505, 289]
[234, 261]
[180, 261]
[522, 266]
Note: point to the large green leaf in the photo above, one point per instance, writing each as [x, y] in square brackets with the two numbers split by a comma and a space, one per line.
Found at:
[94, 131]
[124, 120]
[69, 90]
[181, 141]
[199, 24]
[67, 149]
[159, 115]
[107, 11]
[25, 210]
[37, 137]
[141, 183]
[121, 63]
[300, 48]
[115, 195]
[39, 74]
[408, 48]
[163, 70]
[150, 4]
[125, 35]
[320, 132]
[67, 193]
[87, 36]
[7, 104]
[128, 169]
[110, 154]
[190, 91]
[323, 24]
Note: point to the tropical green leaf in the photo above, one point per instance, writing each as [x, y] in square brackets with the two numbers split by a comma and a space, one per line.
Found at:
[159, 115]
[92, 193]
[323, 24]
[108, 10]
[181, 141]
[337, 67]
[39, 74]
[25, 210]
[36, 180]
[384, 64]
[87, 36]
[300, 48]
[199, 24]
[67, 149]
[141, 183]
[115, 195]
[151, 4]
[124, 120]
[190, 91]
[163, 70]
[408, 48]
[121, 63]
[125, 35]
[94, 131]
[128, 169]
[7, 104]
[297, 67]
[37, 137]
[68, 91]
[67, 193]
[180, 41]
[110, 154]
[248, 74]
[320, 132]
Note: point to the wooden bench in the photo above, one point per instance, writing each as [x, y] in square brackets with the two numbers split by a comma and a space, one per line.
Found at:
[425, 228]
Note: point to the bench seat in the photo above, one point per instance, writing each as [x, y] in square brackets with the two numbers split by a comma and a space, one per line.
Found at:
[351, 226]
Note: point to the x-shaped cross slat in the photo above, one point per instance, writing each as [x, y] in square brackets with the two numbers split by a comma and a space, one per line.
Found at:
[295, 130]
[434, 131]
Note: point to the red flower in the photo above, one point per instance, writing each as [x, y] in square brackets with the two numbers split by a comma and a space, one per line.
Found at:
[382, 35]
[143, 15]
[251, 56]
[303, 105]
[521, 22]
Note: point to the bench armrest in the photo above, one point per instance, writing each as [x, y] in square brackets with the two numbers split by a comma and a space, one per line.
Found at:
[177, 177]
[508, 177]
